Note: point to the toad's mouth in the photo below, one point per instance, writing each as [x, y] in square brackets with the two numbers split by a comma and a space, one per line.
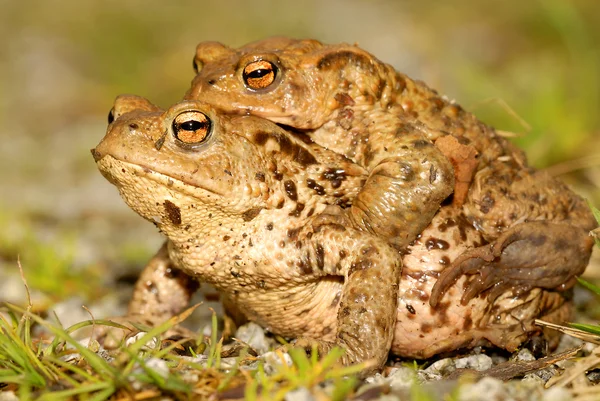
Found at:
[132, 176]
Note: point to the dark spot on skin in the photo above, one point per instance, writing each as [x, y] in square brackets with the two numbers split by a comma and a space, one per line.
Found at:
[436, 243]
[290, 190]
[270, 226]
[280, 204]
[304, 157]
[250, 214]
[326, 330]
[426, 328]
[338, 60]
[260, 138]
[260, 177]
[261, 284]
[226, 238]
[314, 186]
[468, 324]
[411, 310]
[310, 212]
[446, 224]
[421, 143]
[173, 212]
[320, 253]
[305, 265]
[345, 311]
[444, 261]
[463, 225]
[296, 212]
[486, 204]
[343, 254]
[278, 176]
[344, 99]
[228, 172]
[235, 274]
[292, 233]
[335, 176]
[133, 126]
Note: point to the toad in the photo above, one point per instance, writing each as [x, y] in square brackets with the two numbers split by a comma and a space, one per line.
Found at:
[534, 230]
[263, 216]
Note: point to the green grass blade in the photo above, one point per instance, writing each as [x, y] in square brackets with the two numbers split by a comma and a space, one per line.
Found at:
[586, 327]
[595, 289]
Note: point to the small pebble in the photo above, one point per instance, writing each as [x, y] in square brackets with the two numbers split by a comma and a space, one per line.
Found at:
[253, 335]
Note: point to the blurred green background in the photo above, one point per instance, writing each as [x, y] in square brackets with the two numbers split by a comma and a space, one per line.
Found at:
[530, 68]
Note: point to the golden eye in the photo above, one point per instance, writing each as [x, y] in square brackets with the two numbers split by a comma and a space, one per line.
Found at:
[259, 74]
[191, 127]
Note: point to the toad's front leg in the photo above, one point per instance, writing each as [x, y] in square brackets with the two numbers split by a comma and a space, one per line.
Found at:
[366, 314]
[408, 180]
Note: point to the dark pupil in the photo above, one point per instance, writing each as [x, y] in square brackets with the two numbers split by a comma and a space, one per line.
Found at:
[259, 73]
[111, 116]
[192, 125]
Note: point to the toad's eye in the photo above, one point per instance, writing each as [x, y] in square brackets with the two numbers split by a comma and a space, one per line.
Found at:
[191, 127]
[259, 74]
[111, 116]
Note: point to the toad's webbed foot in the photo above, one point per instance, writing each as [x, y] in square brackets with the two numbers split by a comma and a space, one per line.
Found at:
[528, 255]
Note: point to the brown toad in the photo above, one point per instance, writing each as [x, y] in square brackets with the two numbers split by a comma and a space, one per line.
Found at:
[534, 229]
[257, 213]
[261, 215]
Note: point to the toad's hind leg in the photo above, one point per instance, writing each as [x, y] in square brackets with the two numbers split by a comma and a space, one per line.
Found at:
[534, 254]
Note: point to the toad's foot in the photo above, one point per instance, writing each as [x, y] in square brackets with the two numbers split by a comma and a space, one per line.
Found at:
[528, 255]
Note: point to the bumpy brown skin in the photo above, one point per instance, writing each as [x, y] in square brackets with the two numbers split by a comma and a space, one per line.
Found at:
[240, 211]
[534, 229]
